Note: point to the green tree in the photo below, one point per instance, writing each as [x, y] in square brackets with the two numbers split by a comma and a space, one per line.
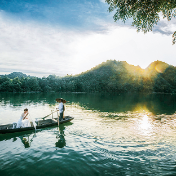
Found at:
[43, 83]
[6, 86]
[33, 84]
[24, 84]
[53, 82]
[162, 85]
[16, 85]
[3, 79]
[145, 13]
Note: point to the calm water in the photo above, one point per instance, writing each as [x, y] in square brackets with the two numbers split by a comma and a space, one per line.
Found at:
[126, 134]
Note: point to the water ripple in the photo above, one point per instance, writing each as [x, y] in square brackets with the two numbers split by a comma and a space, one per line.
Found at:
[94, 144]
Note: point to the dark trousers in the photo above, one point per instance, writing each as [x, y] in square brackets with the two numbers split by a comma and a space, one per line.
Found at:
[61, 116]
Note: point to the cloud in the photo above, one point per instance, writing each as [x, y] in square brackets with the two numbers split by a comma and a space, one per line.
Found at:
[40, 48]
[33, 47]
[103, 1]
[165, 27]
[123, 44]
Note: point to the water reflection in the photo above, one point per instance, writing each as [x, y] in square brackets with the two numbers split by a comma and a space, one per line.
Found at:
[25, 137]
[16, 135]
[60, 136]
[138, 144]
[18, 99]
[27, 140]
[154, 103]
[145, 125]
[103, 102]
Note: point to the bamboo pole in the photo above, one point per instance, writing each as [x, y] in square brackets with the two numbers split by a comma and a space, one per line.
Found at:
[52, 113]
[57, 118]
[47, 115]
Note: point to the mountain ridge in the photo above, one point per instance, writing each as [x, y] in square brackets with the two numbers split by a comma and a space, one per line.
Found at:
[109, 76]
[157, 65]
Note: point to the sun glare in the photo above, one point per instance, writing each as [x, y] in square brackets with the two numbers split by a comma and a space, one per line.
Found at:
[145, 126]
[160, 67]
[141, 108]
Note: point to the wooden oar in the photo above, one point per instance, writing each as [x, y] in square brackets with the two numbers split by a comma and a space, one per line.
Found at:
[48, 115]
[57, 118]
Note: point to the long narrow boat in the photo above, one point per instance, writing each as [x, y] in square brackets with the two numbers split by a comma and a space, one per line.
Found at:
[40, 124]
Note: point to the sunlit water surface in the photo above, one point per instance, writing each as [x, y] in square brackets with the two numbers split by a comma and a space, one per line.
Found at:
[96, 142]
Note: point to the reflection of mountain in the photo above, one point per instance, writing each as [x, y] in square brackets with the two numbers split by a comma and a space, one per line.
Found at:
[155, 103]
[105, 102]
[18, 99]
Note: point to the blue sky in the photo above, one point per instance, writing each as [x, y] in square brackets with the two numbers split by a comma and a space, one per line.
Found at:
[43, 37]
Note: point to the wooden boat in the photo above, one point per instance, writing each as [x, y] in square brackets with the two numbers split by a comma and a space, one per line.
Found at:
[40, 124]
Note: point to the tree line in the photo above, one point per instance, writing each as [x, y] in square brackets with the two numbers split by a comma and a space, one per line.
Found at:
[111, 76]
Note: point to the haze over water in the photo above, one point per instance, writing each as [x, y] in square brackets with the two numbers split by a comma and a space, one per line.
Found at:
[119, 134]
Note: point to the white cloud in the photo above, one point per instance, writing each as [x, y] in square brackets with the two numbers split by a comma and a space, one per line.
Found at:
[42, 50]
[164, 26]
[123, 44]
[32, 47]
[102, 1]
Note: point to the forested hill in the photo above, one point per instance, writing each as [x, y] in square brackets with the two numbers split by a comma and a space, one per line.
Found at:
[109, 76]
[119, 76]
[14, 75]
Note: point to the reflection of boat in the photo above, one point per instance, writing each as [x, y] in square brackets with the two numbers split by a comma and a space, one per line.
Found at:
[40, 124]
[14, 136]
[25, 137]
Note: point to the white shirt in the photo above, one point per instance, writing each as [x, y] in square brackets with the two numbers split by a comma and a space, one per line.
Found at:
[61, 107]
[23, 123]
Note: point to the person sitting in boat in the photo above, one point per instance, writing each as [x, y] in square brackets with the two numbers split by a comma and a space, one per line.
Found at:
[24, 121]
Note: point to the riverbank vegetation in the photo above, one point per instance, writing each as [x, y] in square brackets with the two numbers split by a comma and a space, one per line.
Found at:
[110, 76]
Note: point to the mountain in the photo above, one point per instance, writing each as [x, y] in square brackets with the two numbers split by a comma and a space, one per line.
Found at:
[14, 75]
[155, 68]
[110, 76]
[114, 76]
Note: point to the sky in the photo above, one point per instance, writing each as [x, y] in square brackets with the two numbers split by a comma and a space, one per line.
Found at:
[60, 37]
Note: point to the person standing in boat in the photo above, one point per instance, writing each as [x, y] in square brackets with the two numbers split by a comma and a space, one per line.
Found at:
[60, 108]
[24, 121]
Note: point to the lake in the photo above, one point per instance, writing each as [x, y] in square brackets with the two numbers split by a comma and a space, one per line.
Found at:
[111, 134]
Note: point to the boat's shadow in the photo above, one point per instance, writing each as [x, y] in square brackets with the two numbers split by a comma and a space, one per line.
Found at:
[23, 134]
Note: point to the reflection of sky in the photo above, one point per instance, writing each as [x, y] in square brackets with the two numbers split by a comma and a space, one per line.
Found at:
[69, 37]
